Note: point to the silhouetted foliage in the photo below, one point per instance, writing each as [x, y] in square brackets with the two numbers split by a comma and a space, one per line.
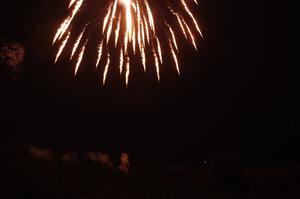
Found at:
[39, 173]
[11, 56]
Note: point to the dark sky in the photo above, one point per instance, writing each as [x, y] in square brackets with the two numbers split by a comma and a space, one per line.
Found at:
[232, 95]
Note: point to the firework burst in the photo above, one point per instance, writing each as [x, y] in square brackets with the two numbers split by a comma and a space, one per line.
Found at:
[127, 30]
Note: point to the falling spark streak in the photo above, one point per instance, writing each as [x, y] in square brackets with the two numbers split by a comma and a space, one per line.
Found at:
[133, 42]
[143, 58]
[128, 19]
[111, 21]
[130, 27]
[181, 25]
[192, 16]
[127, 71]
[62, 47]
[71, 3]
[100, 48]
[175, 58]
[139, 27]
[77, 43]
[151, 20]
[156, 65]
[159, 50]
[106, 69]
[173, 38]
[109, 32]
[106, 18]
[121, 61]
[125, 43]
[65, 25]
[114, 9]
[147, 30]
[143, 34]
[117, 32]
[191, 34]
[80, 58]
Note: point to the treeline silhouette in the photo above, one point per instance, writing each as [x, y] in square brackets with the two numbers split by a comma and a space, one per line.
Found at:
[35, 173]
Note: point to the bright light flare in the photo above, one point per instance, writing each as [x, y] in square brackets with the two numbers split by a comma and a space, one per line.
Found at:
[128, 30]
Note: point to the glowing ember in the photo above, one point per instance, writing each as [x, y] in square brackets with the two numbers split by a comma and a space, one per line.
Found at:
[135, 28]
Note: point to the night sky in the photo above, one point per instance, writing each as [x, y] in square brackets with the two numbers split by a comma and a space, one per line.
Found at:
[232, 95]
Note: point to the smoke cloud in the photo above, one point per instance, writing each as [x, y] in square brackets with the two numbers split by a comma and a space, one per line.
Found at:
[40, 154]
[70, 157]
[11, 56]
[102, 158]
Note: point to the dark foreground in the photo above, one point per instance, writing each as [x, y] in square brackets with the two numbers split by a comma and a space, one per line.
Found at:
[43, 176]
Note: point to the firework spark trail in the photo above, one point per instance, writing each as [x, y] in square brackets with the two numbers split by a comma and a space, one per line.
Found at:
[111, 21]
[109, 32]
[143, 34]
[133, 41]
[117, 32]
[66, 24]
[80, 58]
[173, 38]
[106, 69]
[121, 61]
[71, 3]
[100, 48]
[192, 16]
[77, 43]
[106, 18]
[133, 28]
[128, 19]
[156, 65]
[159, 50]
[180, 23]
[139, 27]
[190, 33]
[62, 47]
[174, 57]
[151, 20]
[127, 70]
[143, 58]
[147, 30]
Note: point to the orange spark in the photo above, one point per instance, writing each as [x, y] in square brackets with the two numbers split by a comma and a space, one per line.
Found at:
[62, 47]
[106, 69]
[77, 43]
[80, 58]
